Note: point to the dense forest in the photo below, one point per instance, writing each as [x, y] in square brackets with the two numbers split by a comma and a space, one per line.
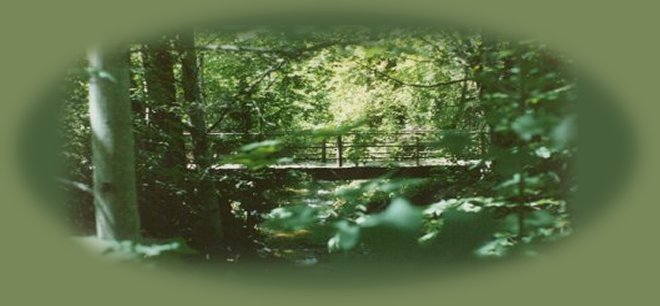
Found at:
[312, 146]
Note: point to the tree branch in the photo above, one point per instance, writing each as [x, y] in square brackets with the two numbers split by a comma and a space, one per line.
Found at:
[404, 83]
[286, 52]
[272, 69]
[430, 43]
[76, 185]
[250, 89]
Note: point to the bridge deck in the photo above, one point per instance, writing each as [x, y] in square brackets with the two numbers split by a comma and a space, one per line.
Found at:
[325, 171]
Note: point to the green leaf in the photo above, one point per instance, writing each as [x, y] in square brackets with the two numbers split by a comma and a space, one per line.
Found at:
[512, 160]
[540, 218]
[107, 76]
[157, 249]
[468, 207]
[291, 218]
[346, 238]
[263, 146]
[564, 132]
[457, 143]
[543, 152]
[436, 209]
[497, 247]
[527, 126]
[399, 214]
[258, 155]
[428, 237]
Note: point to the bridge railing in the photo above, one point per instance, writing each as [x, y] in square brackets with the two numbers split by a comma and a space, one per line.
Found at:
[363, 148]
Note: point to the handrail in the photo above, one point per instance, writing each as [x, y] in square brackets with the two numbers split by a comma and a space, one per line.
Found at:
[419, 145]
[310, 133]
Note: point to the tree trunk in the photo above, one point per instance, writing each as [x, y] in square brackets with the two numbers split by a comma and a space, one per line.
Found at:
[163, 211]
[205, 194]
[159, 75]
[115, 198]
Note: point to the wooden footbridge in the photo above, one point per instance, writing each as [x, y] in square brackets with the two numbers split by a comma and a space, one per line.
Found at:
[363, 155]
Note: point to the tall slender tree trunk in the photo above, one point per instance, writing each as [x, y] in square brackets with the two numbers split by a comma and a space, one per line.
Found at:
[164, 213]
[159, 75]
[113, 153]
[205, 194]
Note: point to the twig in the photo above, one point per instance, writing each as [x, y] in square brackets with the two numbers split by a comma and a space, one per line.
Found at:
[400, 82]
[248, 91]
[77, 185]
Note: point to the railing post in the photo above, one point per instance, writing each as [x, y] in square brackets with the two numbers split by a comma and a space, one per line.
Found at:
[482, 142]
[340, 152]
[417, 150]
[324, 150]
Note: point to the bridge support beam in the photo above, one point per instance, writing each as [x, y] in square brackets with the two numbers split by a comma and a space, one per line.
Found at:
[340, 152]
[417, 149]
[324, 152]
[362, 173]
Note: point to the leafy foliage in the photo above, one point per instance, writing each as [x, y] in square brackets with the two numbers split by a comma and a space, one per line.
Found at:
[500, 112]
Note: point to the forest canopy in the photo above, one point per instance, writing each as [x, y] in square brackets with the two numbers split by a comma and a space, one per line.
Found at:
[313, 146]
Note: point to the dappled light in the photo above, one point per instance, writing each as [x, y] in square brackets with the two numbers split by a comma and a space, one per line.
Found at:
[317, 149]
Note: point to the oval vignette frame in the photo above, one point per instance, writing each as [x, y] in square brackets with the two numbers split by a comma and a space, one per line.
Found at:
[598, 116]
